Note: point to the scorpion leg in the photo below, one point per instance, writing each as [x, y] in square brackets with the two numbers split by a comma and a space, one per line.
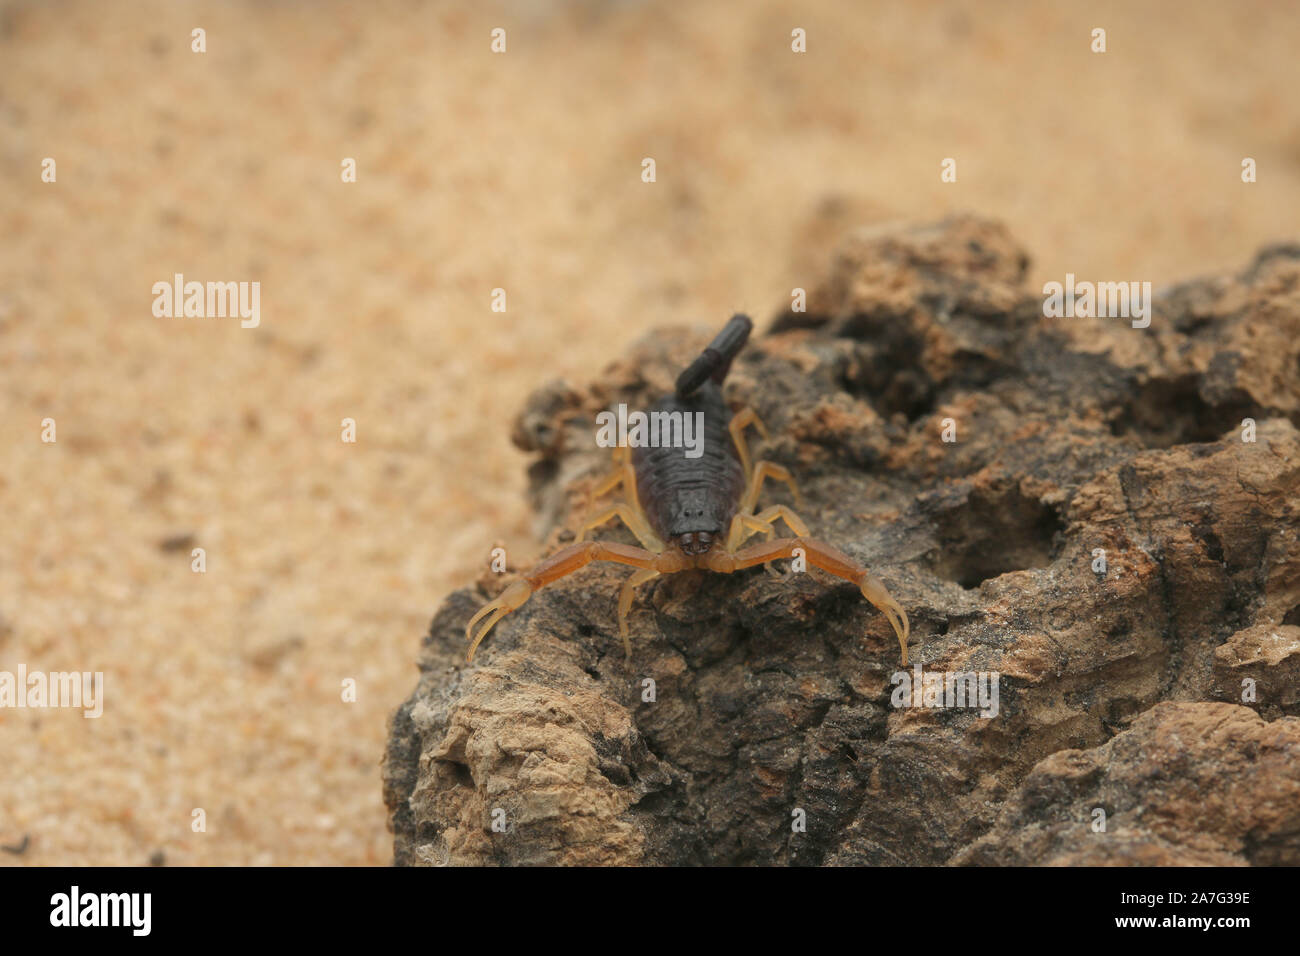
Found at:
[763, 524]
[829, 559]
[629, 511]
[769, 516]
[743, 527]
[762, 471]
[625, 596]
[623, 474]
[746, 416]
[634, 518]
[563, 562]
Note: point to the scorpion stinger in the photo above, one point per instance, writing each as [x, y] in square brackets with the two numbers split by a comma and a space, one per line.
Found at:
[715, 361]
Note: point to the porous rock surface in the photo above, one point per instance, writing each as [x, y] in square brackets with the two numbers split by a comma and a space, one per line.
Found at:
[1112, 531]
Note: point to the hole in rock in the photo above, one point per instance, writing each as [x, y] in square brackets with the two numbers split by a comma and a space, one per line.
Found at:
[994, 532]
[1167, 412]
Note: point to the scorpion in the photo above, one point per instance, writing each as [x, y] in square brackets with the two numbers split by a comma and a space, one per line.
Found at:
[694, 512]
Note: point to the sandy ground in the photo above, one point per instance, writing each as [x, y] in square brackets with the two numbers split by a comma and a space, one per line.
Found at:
[325, 560]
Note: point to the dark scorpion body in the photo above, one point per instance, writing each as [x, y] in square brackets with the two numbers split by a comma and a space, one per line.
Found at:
[691, 500]
[695, 512]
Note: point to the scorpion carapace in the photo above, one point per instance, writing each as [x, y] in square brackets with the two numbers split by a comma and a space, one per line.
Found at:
[694, 512]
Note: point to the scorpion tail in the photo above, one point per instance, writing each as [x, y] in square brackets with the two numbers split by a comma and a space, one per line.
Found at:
[715, 361]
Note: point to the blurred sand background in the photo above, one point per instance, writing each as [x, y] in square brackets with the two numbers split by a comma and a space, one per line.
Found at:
[326, 560]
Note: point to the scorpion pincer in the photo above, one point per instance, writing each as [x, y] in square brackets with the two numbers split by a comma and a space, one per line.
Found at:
[694, 512]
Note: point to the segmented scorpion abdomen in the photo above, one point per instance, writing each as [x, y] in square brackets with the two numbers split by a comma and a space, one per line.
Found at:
[691, 500]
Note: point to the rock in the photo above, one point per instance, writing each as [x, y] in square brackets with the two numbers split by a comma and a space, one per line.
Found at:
[1260, 666]
[1186, 785]
[1098, 536]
